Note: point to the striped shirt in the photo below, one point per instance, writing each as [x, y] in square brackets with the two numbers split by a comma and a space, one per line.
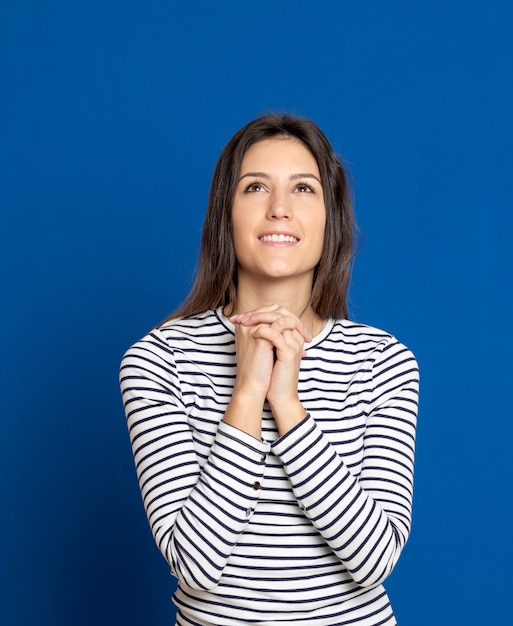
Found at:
[300, 528]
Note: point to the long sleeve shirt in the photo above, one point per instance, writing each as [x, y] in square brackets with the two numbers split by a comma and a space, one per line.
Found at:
[300, 528]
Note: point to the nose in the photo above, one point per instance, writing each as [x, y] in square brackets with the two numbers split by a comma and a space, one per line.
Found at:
[279, 207]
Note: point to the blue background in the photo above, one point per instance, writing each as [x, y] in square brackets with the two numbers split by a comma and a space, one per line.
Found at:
[112, 115]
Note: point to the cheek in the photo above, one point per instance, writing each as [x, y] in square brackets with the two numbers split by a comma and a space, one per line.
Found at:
[243, 224]
[238, 238]
[239, 220]
[319, 226]
[321, 237]
[235, 226]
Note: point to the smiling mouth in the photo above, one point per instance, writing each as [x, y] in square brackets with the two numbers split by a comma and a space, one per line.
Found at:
[279, 238]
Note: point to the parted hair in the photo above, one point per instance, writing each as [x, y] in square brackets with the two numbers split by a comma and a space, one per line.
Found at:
[216, 277]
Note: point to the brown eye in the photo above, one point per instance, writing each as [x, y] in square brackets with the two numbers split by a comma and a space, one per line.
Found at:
[304, 188]
[254, 188]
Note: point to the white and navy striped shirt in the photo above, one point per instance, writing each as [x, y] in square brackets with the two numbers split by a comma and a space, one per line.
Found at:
[301, 528]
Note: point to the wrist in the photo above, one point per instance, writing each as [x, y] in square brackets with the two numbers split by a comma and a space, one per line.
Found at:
[287, 414]
[248, 396]
[245, 413]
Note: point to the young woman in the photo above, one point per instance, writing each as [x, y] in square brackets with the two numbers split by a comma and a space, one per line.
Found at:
[274, 438]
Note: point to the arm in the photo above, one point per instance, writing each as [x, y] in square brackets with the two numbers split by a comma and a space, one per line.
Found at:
[364, 519]
[196, 514]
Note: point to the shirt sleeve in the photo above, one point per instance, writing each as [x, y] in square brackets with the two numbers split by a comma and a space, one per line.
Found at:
[196, 514]
[364, 518]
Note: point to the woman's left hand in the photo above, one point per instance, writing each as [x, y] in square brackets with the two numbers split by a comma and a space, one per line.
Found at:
[287, 334]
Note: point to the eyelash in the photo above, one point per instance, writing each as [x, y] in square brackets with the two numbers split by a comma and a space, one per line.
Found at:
[249, 190]
[309, 188]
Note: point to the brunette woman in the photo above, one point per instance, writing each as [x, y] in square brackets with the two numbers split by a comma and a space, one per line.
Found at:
[274, 438]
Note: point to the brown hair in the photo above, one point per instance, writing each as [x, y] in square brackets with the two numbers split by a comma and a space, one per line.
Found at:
[216, 279]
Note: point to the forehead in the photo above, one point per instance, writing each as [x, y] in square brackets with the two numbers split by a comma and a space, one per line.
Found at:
[279, 152]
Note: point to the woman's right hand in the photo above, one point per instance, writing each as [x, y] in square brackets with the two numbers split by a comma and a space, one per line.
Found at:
[255, 360]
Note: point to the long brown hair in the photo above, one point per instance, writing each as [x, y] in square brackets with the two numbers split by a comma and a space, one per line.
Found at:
[216, 278]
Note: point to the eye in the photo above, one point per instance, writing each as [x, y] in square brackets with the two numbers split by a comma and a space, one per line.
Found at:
[254, 188]
[304, 188]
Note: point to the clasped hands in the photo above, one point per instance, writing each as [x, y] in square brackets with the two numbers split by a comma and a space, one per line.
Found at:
[269, 345]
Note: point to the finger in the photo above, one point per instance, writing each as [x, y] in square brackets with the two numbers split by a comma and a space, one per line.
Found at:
[288, 323]
[274, 310]
[289, 341]
[240, 316]
[280, 319]
[272, 318]
[294, 340]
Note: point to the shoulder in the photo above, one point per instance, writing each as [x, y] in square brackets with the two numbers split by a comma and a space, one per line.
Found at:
[358, 337]
[356, 332]
[392, 366]
[208, 328]
[196, 334]
[367, 342]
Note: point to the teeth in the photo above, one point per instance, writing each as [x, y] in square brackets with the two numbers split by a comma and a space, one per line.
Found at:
[279, 238]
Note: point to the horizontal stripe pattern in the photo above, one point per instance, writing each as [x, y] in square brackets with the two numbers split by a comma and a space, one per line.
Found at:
[303, 527]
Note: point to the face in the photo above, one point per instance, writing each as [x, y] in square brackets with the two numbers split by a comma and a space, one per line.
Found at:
[278, 213]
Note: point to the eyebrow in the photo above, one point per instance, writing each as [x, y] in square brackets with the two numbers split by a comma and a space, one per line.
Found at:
[291, 177]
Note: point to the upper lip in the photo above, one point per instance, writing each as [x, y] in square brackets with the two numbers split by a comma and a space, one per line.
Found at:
[279, 232]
